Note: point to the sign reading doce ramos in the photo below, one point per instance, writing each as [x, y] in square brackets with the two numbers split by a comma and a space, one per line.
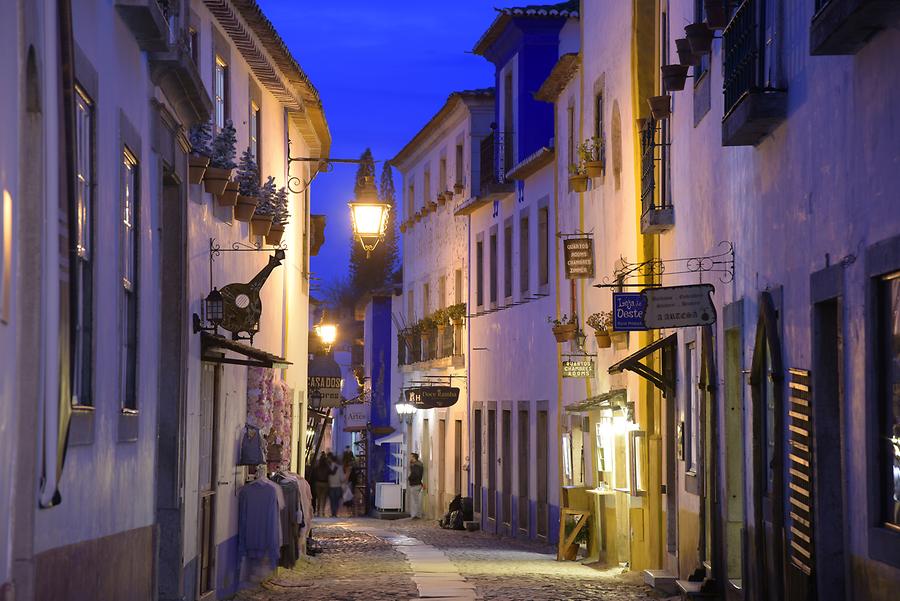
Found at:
[579, 254]
[679, 306]
[432, 397]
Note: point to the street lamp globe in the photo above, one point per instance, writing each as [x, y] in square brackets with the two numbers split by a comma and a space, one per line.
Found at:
[369, 217]
[327, 333]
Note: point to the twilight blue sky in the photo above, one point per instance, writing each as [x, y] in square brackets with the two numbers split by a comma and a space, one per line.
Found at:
[383, 68]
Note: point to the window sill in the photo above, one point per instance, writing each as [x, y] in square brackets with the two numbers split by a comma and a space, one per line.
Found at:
[845, 26]
[129, 420]
[81, 426]
[754, 117]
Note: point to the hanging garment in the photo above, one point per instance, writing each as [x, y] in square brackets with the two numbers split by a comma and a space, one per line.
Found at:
[290, 527]
[259, 522]
[251, 447]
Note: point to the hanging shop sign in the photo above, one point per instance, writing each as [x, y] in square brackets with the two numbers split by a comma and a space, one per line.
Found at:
[679, 306]
[432, 397]
[324, 382]
[628, 311]
[356, 417]
[579, 254]
[580, 367]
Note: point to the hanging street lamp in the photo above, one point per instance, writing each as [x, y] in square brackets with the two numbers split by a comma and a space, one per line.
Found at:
[327, 333]
[369, 216]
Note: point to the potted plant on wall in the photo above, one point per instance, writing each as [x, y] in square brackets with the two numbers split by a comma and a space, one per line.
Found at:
[261, 222]
[456, 313]
[279, 218]
[700, 37]
[578, 179]
[221, 160]
[601, 322]
[248, 187]
[591, 153]
[564, 328]
[685, 56]
[459, 187]
[660, 106]
[441, 320]
[674, 77]
[200, 137]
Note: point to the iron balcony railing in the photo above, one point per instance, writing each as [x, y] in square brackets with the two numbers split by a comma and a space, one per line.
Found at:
[744, 62]
[653, 167]
[496, 158]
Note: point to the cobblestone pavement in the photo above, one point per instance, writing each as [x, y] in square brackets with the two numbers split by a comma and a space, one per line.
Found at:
[360, 563]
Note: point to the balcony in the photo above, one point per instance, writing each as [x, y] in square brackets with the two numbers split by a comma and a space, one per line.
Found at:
[431, 348]
[753, 108]
[496, 152]
[845, 26]
[174, 70]
[657, 212]
[148, 21]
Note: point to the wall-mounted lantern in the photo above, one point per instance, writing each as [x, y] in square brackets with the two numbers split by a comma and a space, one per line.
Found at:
[327, 333]
[369, 216]
[406, 411]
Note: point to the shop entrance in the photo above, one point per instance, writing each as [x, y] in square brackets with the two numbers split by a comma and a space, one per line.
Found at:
[206, 518]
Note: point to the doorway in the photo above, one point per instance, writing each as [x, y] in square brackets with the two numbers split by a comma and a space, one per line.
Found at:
[542, 466]
[206, 524]
[734, 447]
[524, 461]
[477, 462]
[506, 464]
[492, 468]
[442, 465]
[426, 462]
[457, 457]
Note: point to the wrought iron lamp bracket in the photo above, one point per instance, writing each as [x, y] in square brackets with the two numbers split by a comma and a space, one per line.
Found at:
[650, 272]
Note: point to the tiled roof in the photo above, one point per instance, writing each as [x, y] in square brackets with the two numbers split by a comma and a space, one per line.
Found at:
[434, 122]
[560, 76]
[560, 10]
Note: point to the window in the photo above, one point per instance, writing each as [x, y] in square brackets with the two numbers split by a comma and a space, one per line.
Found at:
[459, 164]
[426, 299]
[442, 176]
[83, 311]
[426, 190]
[221, 91]
[458, 292]
[194, 44]
[479, 273]
[411, 306]
[598, 116]
[508, 124]
[543, 247]
[524, 253]
[493, 267]
[442, 292]
[692, 419]
[570, 132]
[889, 390]
[699, 16]
[255, 141]
[411, 201]
[129, 258]
[507, 259]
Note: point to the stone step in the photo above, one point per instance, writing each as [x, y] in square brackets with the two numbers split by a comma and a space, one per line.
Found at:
[662, 581]
[472, 526]
[693, 590]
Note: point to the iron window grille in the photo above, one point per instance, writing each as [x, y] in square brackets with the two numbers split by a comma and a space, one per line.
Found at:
[653, 160]
[496, 158]
[744, 63]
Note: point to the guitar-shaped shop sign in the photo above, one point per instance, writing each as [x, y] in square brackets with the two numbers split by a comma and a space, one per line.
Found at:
[242, 306]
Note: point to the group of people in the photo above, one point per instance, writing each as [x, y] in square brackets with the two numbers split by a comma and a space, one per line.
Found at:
[334, 482]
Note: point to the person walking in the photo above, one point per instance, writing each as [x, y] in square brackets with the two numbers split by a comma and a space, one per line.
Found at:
[322, 469]
[335, 484]
[415, 486]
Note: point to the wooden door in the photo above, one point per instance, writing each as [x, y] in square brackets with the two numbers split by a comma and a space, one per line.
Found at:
[492, 465]
[542, 466]
[477, 462]
[524, 469]
[206, 519]
[506, 467]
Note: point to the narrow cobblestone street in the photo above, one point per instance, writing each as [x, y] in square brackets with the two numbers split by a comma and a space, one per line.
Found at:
[367, 559]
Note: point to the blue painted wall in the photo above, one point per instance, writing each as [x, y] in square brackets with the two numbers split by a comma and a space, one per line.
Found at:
[378, 351]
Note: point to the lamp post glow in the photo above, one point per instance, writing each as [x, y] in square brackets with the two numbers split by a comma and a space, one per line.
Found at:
[327, 333]
[369, 217]
[406, 411]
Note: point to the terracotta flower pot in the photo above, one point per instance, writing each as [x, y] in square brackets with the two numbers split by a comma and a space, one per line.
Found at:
[228, 198]
[660, 106]
[273, 238]
[716, 14]
[700, 37]
[215, 179]
[418, 216]
[578, 183]
[459, 188]
[432, 206]
[245, 207]
[260, 224]
[685, 56]
[603, 339]
[593, 168]
[403, 227]
[565, 332]
[674, 77]
[442, 199]
[197, 164]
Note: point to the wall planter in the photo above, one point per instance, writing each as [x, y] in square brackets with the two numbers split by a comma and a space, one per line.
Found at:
[685, 56]
[228, 198]
[578, 183]
[197, 165]
[215, 179]
[603, 339]
[716, 13]
[245, 207]
[593, 168]
[273, 238]
[418, 216]
[441, 198]
[700, 38]
[403, 227]
[432, 206]
[565, 332]
[260, 224]
[459, 188]
[660, 106]
[674, 77]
